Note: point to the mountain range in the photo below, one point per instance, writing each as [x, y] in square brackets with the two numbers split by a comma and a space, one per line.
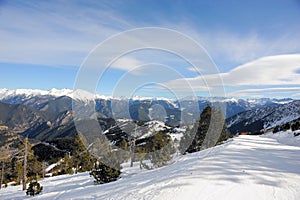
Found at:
[266, 117]
[56, 101]
[45, 115]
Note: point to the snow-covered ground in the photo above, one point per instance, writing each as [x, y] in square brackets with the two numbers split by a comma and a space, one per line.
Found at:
[247, 167]
[285, 137]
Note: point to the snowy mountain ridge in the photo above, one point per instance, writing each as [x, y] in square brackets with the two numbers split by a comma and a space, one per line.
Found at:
[33, 92]
[267, 117]
[82, 95]
[75, 94]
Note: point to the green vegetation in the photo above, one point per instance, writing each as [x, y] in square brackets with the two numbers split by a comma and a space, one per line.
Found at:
[104, 174]
[34, 188]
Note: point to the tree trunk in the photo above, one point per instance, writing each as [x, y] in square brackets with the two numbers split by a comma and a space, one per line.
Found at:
[25, 166]
[2, 174]
[43, 166]
[132, 149]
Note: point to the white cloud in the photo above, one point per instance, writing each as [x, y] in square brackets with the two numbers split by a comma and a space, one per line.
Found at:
[264, 91]
[271, 70]
[268, 71]
[193, 69]
[126, 63]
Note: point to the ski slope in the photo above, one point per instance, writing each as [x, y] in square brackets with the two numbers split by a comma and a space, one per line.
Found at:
[246, 167]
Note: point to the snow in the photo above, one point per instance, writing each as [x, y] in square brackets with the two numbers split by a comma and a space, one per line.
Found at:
[75, 94]
[82, 95]
[234, 100]
[246, 167]
[62, 92]
[34, 92]
[285, 137]
[50, 167]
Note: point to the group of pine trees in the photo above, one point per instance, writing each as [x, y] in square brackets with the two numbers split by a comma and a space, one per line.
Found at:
[77, 158]
[18, 163]
[293, 126]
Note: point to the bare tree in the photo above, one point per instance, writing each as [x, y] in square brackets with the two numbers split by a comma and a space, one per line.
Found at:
[4, 155]
[25, 163]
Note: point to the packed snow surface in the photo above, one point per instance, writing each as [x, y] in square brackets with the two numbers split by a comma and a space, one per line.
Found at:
[246, 167]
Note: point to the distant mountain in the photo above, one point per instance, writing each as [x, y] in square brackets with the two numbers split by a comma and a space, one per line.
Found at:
[19, 118]
[268, 117]
[7, 137]
[54, 101]
[64, 126]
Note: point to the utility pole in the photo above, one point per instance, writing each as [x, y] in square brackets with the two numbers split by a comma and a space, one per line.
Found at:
[25, 165]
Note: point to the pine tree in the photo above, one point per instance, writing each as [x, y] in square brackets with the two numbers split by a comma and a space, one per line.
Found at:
[207, 132]
[216, 132]
[197, 134]
[108, 161]
[66, 166]
[295, 126]
[161, 149]
[104, 174]
[107, 169]
[19, 170]
[123, 153]
[78, 158]
[82, 159]
[100, 147]
[187, 139]
[34, 188]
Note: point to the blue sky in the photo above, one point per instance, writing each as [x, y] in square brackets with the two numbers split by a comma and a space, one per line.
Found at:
[254, 44]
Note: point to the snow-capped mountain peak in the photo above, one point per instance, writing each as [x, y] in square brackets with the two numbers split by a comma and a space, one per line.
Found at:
[34, 92]
[62, 92]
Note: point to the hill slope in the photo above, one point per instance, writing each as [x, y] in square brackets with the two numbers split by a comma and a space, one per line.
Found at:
[268, 117]
[248, 167]
[19, 118]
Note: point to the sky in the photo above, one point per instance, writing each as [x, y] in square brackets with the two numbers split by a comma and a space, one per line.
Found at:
[244, 49]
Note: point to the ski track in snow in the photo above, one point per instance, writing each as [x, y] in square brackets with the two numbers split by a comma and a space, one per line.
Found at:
[247, 167]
